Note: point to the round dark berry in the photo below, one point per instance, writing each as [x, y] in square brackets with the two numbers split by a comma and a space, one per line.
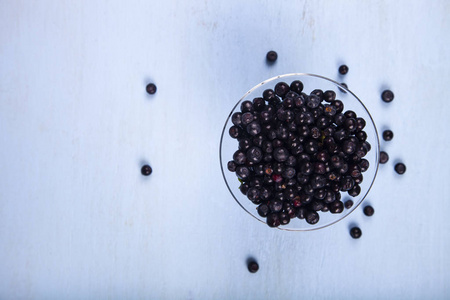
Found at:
[242, 172]
[246, 118]
[271, 56]
[239, 157]
[384, 157]
[355, 232]
[151, 88]
[254, 154]
[236, 118]
[296, 86]
[343, 69]
[336, 207]
[361, 135]
[253, 195]
[244, 144]
[387, 96]
[275, 205]
[329, 96]
[246, 106]
[244, 188]
[355, 191]
[368, 210]
[344, 85]
[269, 95]
[258, 104]
[253, 267]
[360, 124]
[301, 212]
[273, 220]
[400, 168]
[146, 170]
[281, 89]
[235, 132]
[284, 218]
[231, 165]
[347, 183]
[313, 101]
[288, 173]
[364, 165]
[280, 154]
[318, 93]
[312, 217]
[388, 135]
[348, 204]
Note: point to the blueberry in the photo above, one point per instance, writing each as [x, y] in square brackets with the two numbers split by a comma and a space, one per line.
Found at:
[288, 173]
[319, 168]
[281, 89]
[338, 105]
[347, 183]
[263, 210]
[236, 119]
[253, 267]
[253, 195]
[151, 88]
[312, 217]
[311, 146]
[271, 56]
[364, 165]
[330, 111]
[313, 101]
[254, 128]
[316, 205]
[348, 204]
[344, 85]
[146, 170]
[368, 210]
[239, 157]
[323, 121]
[246, 118]
[246, 106]
[254, 154]
[275, 205]
[269, 95]
[329, 96]
[242, 172]
[336, 207]
[388, 135]
[291, 161]
[339, 119]
[355, 232]
[244, 188]
[348, 147]
[343, 69]
[231, 165]
[387, 96]
[296, 86]
[318, 181]
[273, 220]
[244, 144]
[355, 191]
[350, 124]
[235, 132]
[258, 104]
[280, 154]
[360, 124]
[318, 93]
[284, 218]
[265, 117]
[384, 157]
[400, 168]
[301, 212]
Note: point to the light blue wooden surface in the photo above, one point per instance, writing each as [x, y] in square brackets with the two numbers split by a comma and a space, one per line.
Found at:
[78, 221]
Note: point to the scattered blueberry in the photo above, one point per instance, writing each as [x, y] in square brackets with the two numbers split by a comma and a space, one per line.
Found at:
[388, 135]
[146, 170]
[151, 88]
[400, 168]
[355, 232]
[272, 56]
[253, 266]
[384, 157]
[368, 210]
[343, 70]
[387, 96]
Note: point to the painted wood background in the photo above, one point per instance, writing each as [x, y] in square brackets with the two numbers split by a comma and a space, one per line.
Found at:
[78, 221]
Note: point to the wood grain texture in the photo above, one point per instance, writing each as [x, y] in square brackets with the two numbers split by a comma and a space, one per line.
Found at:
[78, 221]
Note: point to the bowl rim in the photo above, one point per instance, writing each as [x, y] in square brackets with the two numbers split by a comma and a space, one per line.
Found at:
[377, 154]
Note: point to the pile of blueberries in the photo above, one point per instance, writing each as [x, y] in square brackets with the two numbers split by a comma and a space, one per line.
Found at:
[298, 152]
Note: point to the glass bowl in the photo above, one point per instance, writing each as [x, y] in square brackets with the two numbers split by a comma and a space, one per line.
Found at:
[228, 146]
